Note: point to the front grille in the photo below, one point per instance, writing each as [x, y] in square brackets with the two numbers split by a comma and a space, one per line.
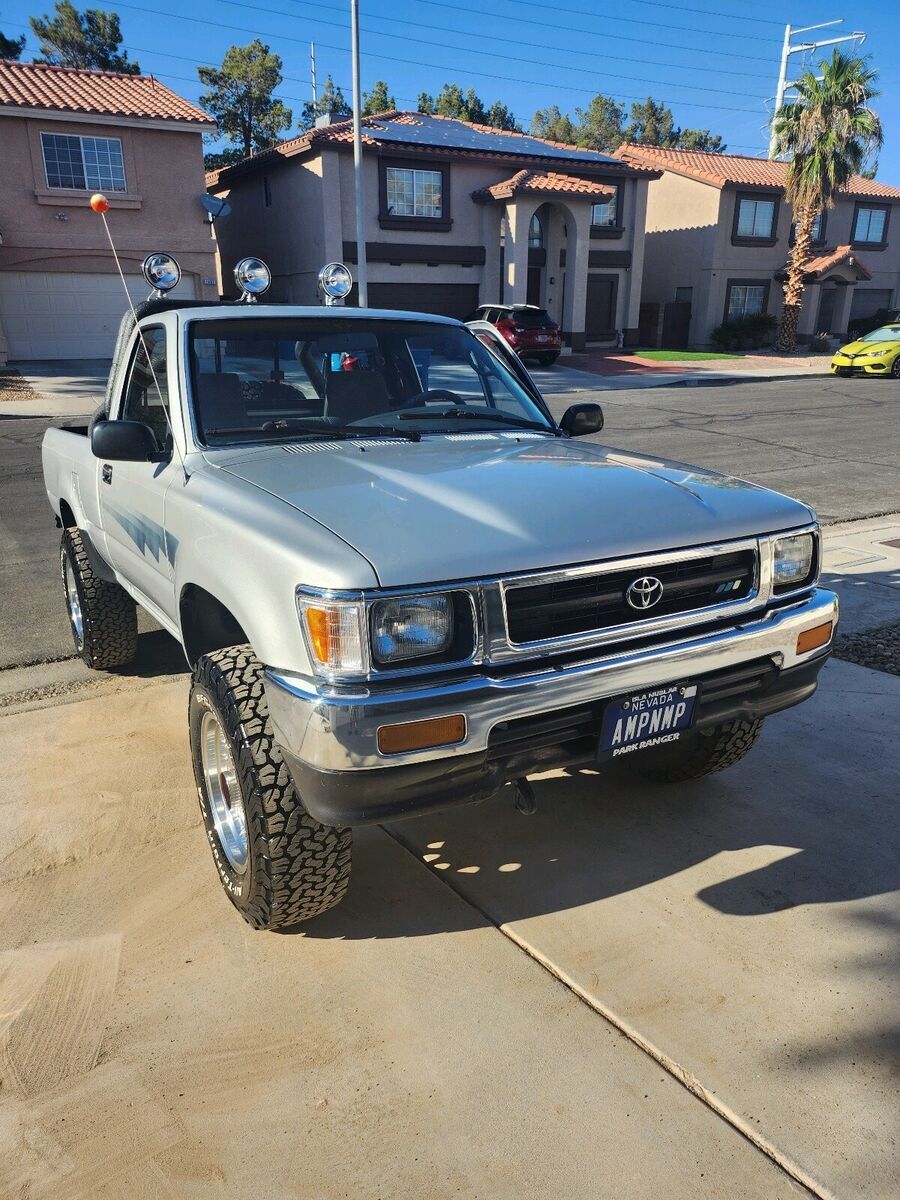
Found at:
[540, 611]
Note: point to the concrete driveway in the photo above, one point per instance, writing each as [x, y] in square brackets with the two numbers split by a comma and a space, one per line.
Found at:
[684, 992]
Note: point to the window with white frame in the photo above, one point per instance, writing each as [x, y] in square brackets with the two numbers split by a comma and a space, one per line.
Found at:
[413, 193]
[71, 161]
[746, 299]
[756, 218]
[606, 212]
[870, 224]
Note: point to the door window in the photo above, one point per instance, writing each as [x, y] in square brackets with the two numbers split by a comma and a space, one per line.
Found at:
[147, 392]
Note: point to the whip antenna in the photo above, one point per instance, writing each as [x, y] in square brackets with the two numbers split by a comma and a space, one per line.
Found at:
[100, 205]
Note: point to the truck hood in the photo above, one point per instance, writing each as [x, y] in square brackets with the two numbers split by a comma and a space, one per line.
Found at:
[465, 506]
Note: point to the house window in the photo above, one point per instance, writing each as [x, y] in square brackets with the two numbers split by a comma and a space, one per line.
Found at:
[535, 233]
[606, 212]
[870, 225]
[817, 228]
[755, 218]
[83, 162]
[412, 193]
[745, 299]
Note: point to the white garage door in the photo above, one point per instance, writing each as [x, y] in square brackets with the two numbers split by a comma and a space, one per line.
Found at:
[57, 314]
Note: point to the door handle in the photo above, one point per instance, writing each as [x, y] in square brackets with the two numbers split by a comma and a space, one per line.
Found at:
[106, 473]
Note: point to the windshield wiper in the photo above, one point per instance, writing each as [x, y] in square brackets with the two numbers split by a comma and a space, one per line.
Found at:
[469, 414]
[291, 426]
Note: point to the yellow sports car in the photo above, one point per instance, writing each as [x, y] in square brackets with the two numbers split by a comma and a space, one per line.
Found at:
[875, 353]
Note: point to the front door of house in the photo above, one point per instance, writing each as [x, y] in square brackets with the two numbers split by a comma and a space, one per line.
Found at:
[600, 310]
[826, 310]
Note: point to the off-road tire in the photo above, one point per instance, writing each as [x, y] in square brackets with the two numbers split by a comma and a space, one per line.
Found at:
[296, 868]
[108, 613]
[699, 754]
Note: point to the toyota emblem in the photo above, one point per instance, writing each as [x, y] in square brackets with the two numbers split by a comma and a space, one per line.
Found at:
[644, 593]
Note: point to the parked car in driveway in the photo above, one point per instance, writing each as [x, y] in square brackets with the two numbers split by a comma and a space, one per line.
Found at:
[530, 330]
[400, 584]
[875, 353]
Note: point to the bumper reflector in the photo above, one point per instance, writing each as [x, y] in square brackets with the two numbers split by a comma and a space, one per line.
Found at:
[421, 735]
[812, 639]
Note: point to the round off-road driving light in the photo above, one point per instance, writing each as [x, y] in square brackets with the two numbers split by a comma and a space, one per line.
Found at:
[253, 277]
[335, 281]
[161, 271]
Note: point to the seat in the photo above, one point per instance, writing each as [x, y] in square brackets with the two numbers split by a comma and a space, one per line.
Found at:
[221, 401]
[354, 395]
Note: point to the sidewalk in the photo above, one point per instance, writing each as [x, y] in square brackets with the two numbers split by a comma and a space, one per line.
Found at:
[623, 370]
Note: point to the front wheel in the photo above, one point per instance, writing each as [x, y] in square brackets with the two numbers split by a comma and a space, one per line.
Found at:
[699, 754]
[895, 368]
[278, 866]
[102, 616]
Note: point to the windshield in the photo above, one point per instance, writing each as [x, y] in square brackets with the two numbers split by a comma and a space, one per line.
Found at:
[255, 379]
[887, 333]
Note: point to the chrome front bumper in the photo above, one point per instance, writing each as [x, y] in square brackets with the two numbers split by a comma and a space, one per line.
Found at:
[334, 729]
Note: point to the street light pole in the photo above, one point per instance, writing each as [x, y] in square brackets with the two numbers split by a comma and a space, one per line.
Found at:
[361, 267]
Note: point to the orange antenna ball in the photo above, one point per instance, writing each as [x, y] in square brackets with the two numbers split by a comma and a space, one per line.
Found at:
[99, 203]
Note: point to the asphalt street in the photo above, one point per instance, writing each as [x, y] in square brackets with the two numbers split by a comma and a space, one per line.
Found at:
[831, 443]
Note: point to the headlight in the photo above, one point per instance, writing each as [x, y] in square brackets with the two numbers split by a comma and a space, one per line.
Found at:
[879, 353]
[413, 627]
[793, 561]
[335, 634]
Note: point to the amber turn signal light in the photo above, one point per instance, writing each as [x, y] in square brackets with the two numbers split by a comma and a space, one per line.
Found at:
[421, 735]
[812, 639]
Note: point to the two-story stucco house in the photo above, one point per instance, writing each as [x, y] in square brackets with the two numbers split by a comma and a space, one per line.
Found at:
[64, 134]
[456, 215]
[719, 234]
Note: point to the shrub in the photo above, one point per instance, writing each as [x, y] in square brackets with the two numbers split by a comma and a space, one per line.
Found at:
[746, 333]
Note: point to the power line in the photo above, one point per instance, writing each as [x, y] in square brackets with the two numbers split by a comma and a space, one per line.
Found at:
[534, 62]
[732, 16]
[579, 12]
[410, 62]
[508, 41]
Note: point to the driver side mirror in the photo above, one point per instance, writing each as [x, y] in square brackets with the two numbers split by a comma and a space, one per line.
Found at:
[124, 441]
[581, 419]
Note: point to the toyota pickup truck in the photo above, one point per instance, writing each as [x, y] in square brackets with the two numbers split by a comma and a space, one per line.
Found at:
[400, 584]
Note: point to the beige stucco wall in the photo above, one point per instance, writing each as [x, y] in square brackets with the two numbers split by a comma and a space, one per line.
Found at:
[159, 211]
[688, 244]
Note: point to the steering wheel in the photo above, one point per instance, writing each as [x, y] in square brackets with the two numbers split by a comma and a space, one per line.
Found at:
[438, 394]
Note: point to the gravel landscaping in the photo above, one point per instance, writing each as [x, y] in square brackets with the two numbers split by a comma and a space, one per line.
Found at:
[876, 648]
[14, 387]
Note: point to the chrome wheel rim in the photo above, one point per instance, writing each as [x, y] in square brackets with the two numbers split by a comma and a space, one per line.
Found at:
[223, 791]
[73, 602]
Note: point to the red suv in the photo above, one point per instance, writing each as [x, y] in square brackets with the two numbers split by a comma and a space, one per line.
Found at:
[527, 328]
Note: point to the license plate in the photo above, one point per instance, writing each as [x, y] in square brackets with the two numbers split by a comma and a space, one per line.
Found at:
[542, 337]
[646, 719]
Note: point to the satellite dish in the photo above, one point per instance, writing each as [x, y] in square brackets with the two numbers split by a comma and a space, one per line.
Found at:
[215, 206]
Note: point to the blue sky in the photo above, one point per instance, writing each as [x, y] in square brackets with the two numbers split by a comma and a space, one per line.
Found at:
[714, 61]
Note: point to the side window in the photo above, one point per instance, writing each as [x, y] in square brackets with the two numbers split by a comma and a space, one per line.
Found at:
[147, 391]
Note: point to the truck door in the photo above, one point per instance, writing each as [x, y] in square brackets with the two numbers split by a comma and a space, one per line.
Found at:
[132, 494]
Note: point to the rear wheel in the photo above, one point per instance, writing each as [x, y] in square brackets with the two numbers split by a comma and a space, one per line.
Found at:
[102, 615]
[278, 866]
[547, 360]
[699, 754]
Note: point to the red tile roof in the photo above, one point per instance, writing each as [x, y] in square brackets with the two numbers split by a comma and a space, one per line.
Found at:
[736, 170]
[542, 183]
[104, 93]
[819, 264]
[341, 133]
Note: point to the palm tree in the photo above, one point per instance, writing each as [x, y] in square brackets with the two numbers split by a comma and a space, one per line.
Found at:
[828, 132]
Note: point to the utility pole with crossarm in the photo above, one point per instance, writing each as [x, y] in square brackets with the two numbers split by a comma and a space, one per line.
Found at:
[804, 47]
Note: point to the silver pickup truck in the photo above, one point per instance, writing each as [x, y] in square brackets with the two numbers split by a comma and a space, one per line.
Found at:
[400, 584]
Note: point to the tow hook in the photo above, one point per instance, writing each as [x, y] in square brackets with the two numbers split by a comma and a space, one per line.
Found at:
[525, 800]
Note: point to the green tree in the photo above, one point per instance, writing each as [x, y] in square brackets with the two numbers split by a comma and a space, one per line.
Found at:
[652, 124]
[600, 124]
[500, 117]
[331, 102]
[240, 97]
[828, 134]
[700, 139]
[379, 100]
[554, 125]
[11, 48]
[91, 38]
